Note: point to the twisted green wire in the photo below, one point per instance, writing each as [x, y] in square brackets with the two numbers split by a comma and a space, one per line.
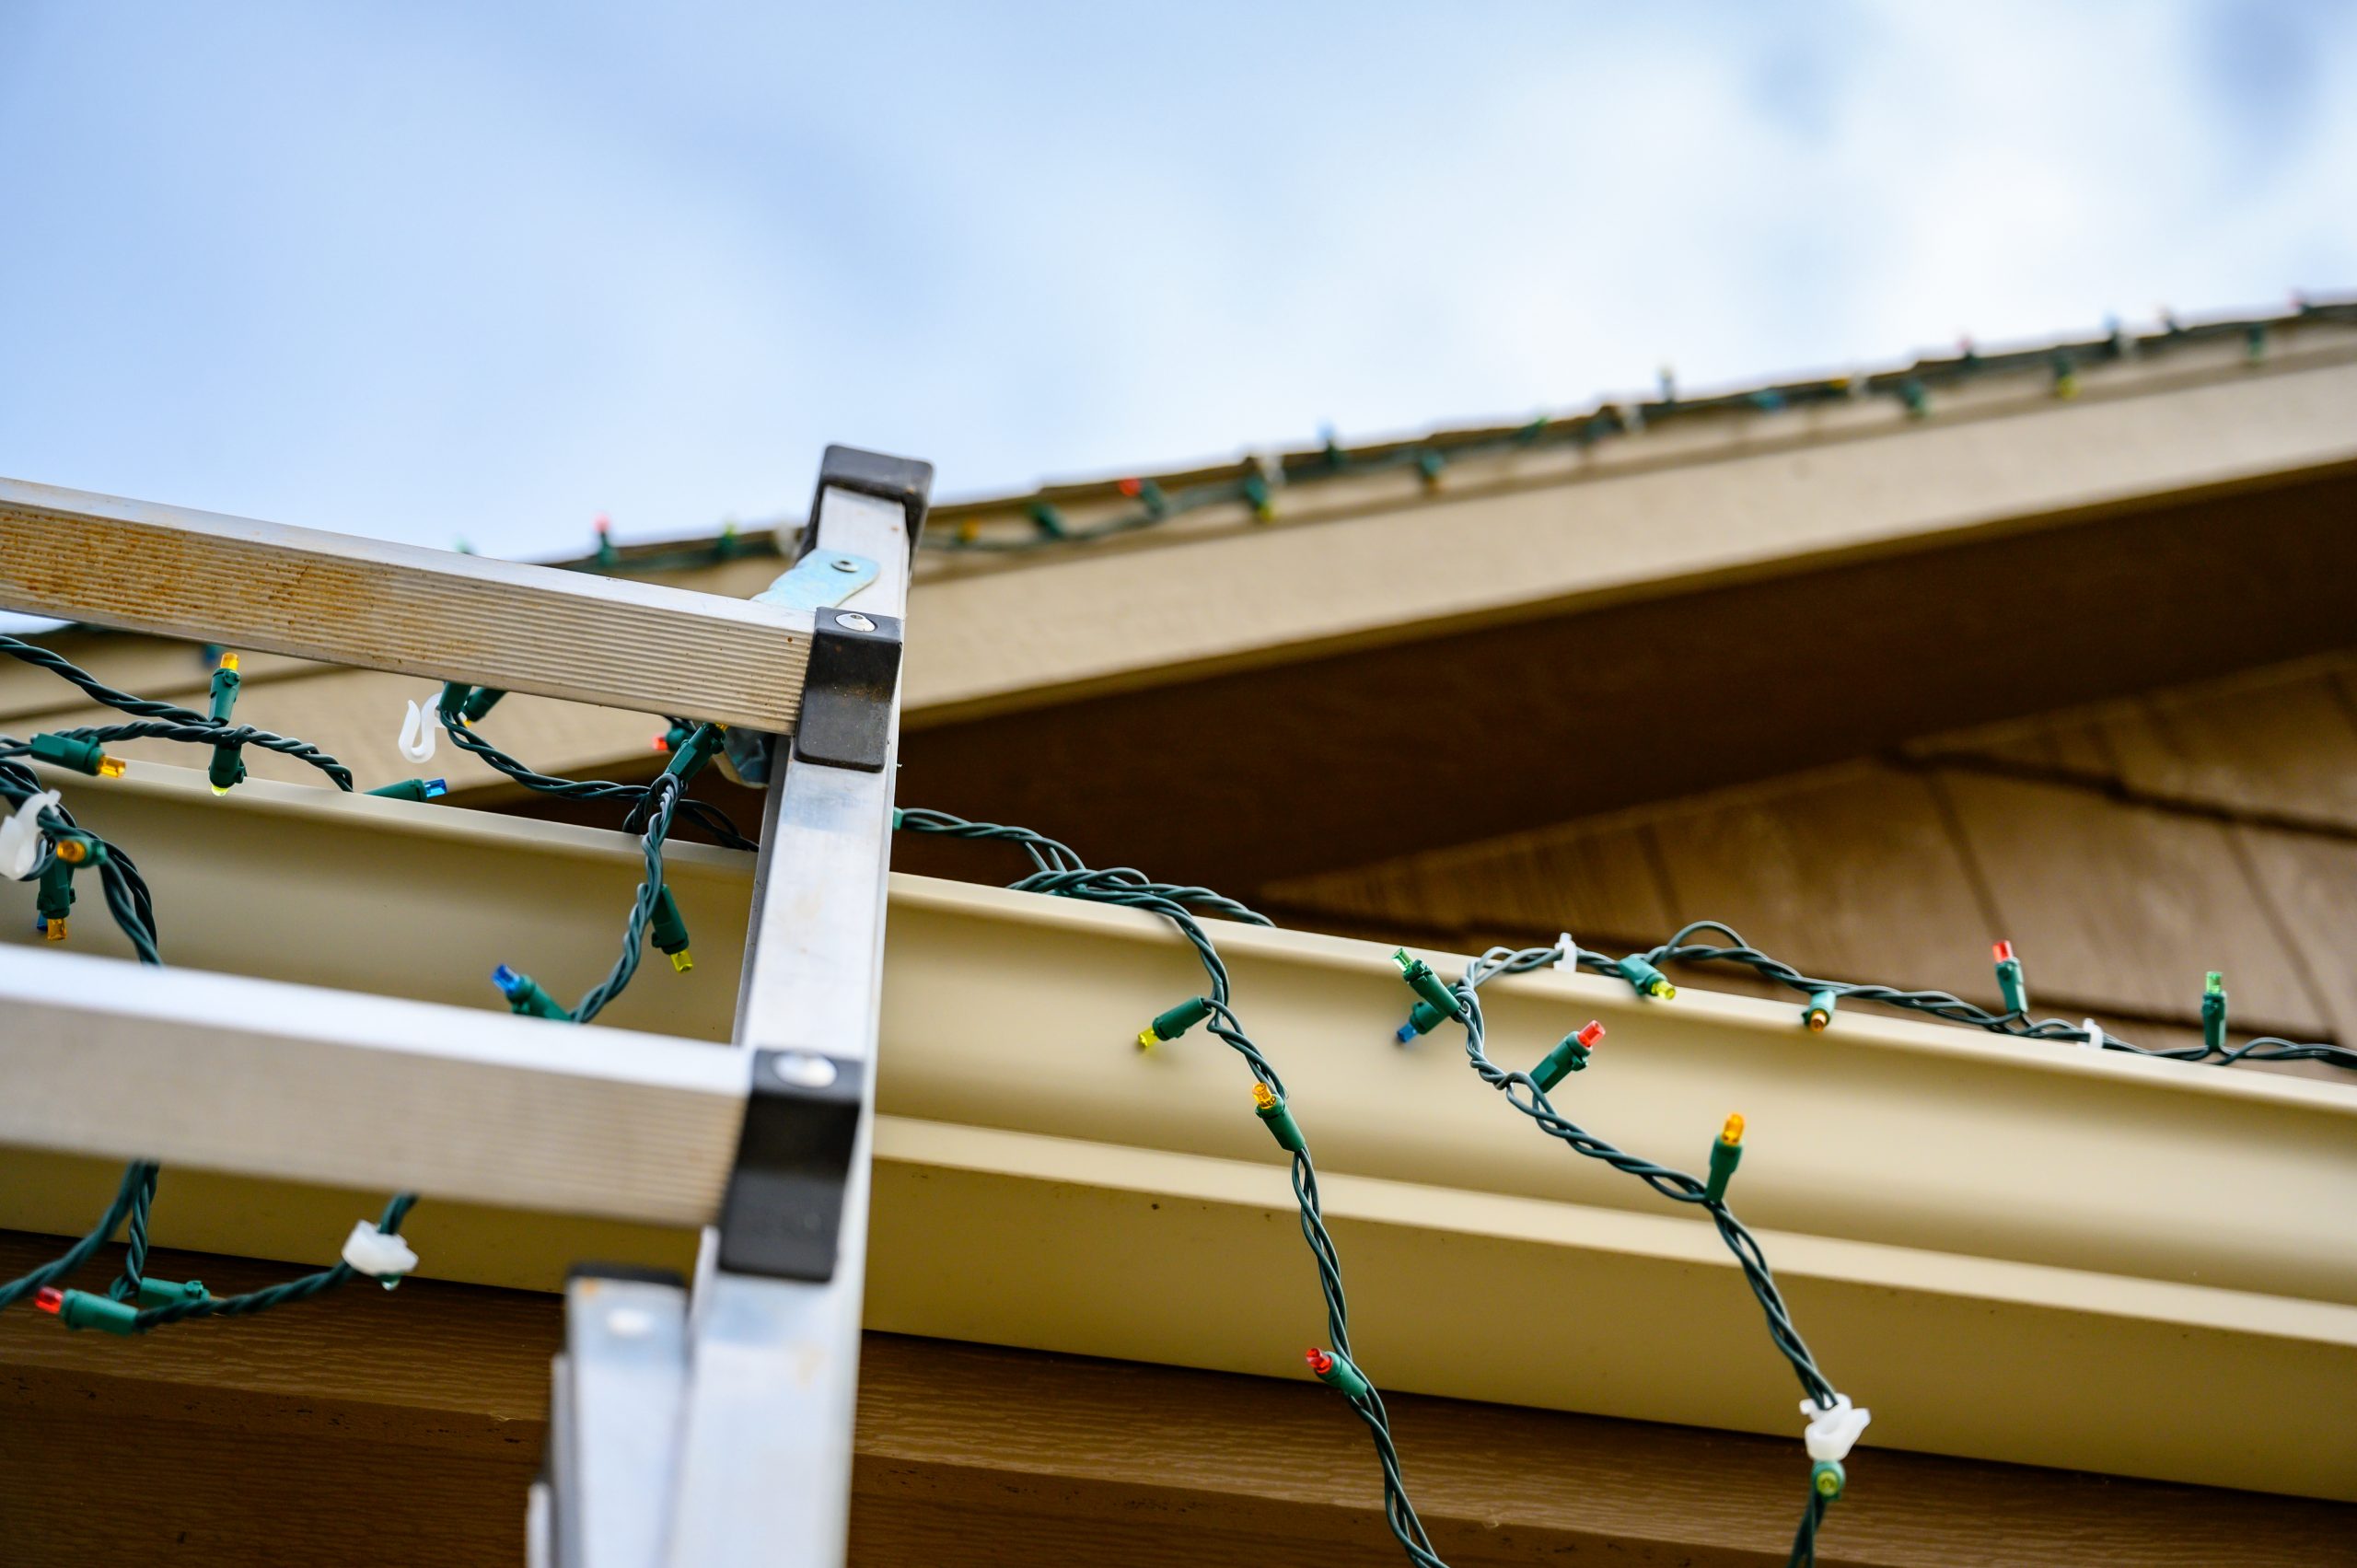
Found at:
[129, 902]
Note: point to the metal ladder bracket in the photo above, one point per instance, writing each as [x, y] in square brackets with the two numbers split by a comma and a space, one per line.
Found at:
[847, 694]
[782, 1214]
[905, 480]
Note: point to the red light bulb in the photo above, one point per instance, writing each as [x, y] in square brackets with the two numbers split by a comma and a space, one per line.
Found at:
[49, 1298]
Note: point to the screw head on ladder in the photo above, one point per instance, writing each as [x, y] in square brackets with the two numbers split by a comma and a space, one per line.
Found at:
[804, 1072]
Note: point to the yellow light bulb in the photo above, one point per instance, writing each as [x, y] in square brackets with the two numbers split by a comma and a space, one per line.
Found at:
[1732, 1133]
[1263, 1098]
[1146, 1038]
[1817, 1020]
[681, 961]
[229, 662]
[110, 767]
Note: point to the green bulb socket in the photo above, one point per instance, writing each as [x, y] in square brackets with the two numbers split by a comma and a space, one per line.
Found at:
[80, 852]
[526, 995]
[1647, 980]
[88, 1309]
[1047, 520]
[55, 899]
[687, 758]
[1334, 1369]
[419, 790]
[1151, 497]
[1917, 401]
[453, 701]
[73, 752]
[1282, 1126]
[2012, 987]
[1423, 1019]
[670, 932]
[154, 1291]
[225, 681]
[1819, 1011]
[1569, 1056]
[1171, 1025]
[1724, 1157]
[1427, 984]
[228, 769]
[1257, 497]
[1429, 465]
[900, 815]
[1825, 1479]
[480, 701]
[2213, 1012]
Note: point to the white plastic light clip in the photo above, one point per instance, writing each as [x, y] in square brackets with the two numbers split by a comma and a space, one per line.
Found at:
[1567, 952]
[417, 736]
[2095, 1034]
[20, 836]
[1831, 1433]
[370, 1251]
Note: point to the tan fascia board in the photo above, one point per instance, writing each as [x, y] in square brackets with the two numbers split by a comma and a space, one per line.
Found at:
[1559, 533]
[1376, 562]
[2013, 1251]
[1546, 534]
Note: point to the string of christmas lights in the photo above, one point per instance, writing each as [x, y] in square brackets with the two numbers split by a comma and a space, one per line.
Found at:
[135, 1302]
[653, 806]
[1834, 1424]
[1257, 482]
[1642, 970]
[1255, 488]
[40, 840]
[1059, 872]
[460, 707]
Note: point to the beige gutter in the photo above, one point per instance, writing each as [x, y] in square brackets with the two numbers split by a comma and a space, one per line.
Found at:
[2009, 1252]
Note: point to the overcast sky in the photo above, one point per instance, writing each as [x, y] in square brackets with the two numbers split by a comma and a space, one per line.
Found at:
[431, 271]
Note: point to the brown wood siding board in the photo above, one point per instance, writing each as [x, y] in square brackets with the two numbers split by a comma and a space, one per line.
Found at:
[1855, 872]
[255, 1442]
[2314, 884]
[1584, 878]
[1342, 761]
[2124, 907]
[2280, 747]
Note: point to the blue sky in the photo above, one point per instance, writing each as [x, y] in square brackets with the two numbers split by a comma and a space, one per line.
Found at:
[435, 269]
